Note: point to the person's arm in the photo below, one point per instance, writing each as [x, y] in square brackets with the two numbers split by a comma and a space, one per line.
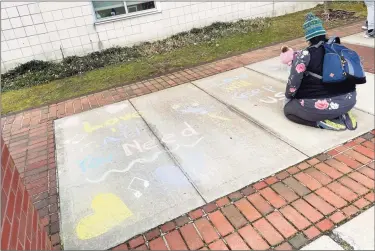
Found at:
[299, 66]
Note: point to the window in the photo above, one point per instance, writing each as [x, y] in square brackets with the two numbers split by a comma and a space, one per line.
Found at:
[108, 9]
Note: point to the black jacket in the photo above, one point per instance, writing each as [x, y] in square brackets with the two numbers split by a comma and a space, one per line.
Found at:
[302, 86]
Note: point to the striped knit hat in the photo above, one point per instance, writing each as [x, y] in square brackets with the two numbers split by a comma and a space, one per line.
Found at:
[313, 26]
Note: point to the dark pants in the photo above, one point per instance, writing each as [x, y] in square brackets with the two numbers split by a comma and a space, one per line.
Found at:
[308, 115]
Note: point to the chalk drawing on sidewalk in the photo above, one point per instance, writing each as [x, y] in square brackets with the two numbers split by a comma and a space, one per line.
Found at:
[237, 85]
[91, 162]
[171, 175]
[198, 109]
[141, 161]
[108, 212]
[227, 81]
[264, 94]
[138, 184]
[110, 123]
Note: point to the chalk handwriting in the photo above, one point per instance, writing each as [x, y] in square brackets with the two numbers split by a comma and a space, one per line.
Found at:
[232, 79]
[135, 145]
[277, 97]
[87, 127]
[141, 161]
[128, 132]
[196, 108]
[248, 94]
[236, 85]
[91, 162]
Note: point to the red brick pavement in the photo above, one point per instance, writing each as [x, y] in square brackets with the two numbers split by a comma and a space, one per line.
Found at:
[30, 137]
[275, 213]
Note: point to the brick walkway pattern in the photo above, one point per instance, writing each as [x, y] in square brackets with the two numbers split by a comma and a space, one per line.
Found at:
[282, 212]
[30, 134]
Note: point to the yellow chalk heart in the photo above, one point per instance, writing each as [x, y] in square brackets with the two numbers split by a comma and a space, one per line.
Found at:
[109, 211]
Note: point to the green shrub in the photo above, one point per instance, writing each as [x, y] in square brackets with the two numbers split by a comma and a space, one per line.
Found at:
[38, 72]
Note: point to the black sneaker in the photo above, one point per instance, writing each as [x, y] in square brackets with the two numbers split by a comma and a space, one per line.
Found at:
[369, 34]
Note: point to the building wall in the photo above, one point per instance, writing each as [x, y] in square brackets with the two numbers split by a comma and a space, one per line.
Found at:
[20, 227]
[47, 30]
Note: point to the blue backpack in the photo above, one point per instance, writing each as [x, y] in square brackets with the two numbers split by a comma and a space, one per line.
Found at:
[340, 64]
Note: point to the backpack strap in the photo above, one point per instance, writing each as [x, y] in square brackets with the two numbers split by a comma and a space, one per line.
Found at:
[313, 74]
[334, 39]
[317, 45]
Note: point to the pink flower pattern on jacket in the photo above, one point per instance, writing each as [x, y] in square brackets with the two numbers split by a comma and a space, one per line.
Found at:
[301, 68]
[297, 70]
[321, 104]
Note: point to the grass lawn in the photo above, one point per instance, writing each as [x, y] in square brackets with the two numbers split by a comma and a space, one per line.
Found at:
[281, 29]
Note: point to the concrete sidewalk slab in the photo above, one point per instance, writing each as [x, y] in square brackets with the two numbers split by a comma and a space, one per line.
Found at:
[359, 39]
[273, 68]
[359, 232]
[323, 243]
[260, 98]
[223, 152]
[366, 95]
[115, 178]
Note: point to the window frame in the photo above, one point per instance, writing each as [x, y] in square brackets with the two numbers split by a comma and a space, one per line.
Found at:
[127, 15]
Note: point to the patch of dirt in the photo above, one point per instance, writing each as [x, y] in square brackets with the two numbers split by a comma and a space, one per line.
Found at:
[335, 15]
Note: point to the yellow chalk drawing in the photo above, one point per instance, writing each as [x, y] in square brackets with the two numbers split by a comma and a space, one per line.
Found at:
[236, 85]
[109, 211]
[110, 122]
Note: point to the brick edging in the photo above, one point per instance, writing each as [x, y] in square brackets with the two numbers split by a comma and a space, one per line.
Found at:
[284, 211]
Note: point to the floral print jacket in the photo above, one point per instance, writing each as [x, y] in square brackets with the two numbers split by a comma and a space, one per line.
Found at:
[299, 66]
[297, 71]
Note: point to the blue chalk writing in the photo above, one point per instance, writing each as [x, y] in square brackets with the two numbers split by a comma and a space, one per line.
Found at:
[91, 162]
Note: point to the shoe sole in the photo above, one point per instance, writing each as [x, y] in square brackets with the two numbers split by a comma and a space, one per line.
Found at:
[327, 127]
[347, 120]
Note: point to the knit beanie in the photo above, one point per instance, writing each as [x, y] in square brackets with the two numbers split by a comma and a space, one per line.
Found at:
[313, 26]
